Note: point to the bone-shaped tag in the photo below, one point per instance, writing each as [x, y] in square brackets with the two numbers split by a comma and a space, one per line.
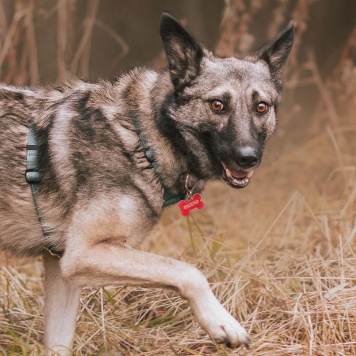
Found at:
[194, 202]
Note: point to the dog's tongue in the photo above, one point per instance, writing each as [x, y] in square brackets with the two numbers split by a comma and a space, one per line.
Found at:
[236, 174]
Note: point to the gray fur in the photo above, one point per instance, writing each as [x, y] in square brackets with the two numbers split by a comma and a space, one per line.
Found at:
[88, 143]
[92, 159]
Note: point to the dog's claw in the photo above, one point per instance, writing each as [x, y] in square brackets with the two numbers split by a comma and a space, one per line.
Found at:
[243, 340]
[234, 335]
[228, 344]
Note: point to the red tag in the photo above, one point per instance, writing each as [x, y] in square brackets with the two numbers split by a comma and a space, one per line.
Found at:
[194, 202]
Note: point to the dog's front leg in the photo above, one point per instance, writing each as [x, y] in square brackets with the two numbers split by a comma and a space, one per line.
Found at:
[111, 264]
[61, 308]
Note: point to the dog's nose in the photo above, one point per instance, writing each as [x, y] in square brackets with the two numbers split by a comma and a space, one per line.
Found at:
[247, 157]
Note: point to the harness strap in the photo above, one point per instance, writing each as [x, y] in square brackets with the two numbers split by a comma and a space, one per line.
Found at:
[32, 173]
[33, 178]
[168, 197]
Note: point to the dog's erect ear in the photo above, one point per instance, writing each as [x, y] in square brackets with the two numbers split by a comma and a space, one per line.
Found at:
[183, 53]
[277, 51]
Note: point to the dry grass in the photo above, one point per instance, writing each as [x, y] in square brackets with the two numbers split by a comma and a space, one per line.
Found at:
[280, 254]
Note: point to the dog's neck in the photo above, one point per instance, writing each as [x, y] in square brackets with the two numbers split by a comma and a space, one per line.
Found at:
[177, 160]
[169, 196]
[170, 162]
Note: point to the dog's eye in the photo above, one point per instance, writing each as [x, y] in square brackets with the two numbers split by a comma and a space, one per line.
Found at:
[217, 105]
[262, 107]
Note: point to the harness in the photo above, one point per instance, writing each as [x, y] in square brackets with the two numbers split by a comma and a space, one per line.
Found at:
[33, 176]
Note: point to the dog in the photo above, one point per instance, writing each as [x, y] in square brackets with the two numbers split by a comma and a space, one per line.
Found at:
[87, 169]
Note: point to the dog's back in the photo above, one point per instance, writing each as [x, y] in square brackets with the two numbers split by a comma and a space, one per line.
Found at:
[87, 143]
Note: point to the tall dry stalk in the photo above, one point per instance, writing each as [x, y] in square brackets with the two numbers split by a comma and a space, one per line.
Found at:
[279, 17]
[235, 38]
[300, 15]
[61, 39]
[81, 58]
[31, 43]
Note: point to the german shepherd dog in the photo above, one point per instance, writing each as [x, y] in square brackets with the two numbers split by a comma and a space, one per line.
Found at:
[86, 170]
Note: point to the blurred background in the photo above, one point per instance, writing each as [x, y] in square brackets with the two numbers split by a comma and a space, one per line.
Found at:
[313, 151]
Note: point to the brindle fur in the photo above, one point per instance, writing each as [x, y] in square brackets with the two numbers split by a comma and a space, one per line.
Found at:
[100, 195]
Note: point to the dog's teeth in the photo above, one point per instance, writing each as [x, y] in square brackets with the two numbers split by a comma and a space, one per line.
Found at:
[228, 173]
[249, 174]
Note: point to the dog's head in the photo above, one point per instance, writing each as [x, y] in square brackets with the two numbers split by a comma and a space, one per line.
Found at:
[224, 109]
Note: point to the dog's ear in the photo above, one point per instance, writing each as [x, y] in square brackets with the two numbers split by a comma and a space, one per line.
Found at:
[183, 53]
[276, 52]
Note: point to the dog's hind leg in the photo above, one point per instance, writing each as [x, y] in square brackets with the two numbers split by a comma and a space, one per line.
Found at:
[61, 309]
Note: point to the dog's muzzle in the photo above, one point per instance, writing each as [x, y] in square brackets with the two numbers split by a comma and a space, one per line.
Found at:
[246, 159]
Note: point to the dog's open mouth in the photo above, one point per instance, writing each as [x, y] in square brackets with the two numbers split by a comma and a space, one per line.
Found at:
[236, 179]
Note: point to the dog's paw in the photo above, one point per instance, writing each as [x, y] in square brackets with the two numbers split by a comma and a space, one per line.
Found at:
[210, 314]
[219, 324]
